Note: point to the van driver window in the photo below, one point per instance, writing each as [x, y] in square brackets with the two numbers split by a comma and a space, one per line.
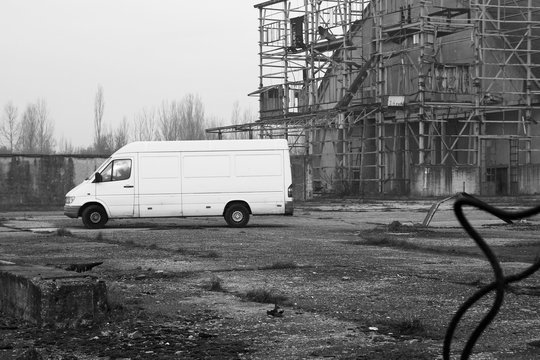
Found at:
[117, 170]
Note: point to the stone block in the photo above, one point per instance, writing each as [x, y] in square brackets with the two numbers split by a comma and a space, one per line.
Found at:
[48, 296]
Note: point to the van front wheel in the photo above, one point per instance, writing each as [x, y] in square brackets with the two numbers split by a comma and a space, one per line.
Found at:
[94, 217]
[237, 215]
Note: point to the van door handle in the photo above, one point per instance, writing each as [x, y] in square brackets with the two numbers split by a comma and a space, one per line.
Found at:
[128, 186]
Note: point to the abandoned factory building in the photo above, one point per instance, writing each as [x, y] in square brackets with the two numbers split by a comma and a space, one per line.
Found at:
[405, 97]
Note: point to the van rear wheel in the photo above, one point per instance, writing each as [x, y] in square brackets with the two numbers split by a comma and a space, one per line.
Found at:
[237, 215]
[94, 217]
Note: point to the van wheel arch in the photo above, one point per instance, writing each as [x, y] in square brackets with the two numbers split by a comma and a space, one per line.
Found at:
[237, 213]
[94, 216]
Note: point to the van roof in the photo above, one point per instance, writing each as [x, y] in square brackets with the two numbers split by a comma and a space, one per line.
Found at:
[203, 145]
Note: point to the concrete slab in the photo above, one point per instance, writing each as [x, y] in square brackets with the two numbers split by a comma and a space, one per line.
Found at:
[47, 296]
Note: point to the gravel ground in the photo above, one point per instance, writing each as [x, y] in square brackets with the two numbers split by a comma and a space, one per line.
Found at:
[350, 285]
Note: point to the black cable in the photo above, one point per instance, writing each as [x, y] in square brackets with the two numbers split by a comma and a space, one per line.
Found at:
[500, 282]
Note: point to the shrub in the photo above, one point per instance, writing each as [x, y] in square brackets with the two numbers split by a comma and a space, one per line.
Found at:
[63, 232]
[211, 254]
[265, 296]
[215, 284]
[409, 325]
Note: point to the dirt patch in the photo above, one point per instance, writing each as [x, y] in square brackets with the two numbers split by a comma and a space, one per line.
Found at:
[349, 287]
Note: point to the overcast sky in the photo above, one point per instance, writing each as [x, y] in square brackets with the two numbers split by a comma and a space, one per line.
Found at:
[141, 51]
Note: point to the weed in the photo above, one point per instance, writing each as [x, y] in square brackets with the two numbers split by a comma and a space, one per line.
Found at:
[184, 251]
[210, 254]
[280, 265]
[265, 296]
[153, 247]
[63, 232]
[409, 325]
[215, 284]
[100, 237]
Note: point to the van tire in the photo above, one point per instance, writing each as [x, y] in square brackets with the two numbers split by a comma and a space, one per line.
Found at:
[94, 217]
[237, 215]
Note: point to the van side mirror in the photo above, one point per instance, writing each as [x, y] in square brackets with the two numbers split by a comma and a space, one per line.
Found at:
[98, 178]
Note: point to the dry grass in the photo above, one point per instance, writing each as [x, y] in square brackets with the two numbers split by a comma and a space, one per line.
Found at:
[380, 237]
[280, 265]
[265, 296]
[63, 232]
[409, 325]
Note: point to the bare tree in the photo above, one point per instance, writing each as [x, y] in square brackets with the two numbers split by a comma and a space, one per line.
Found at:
[107, 141]
[176, 120]
[238, 118]
[213, 122]
[65, 146]
[182, 120]
[99, 107]
[248, 116]
[165, 127]
[44, 128]
[9, 128]
[36, 131]
[121, 134]
[236, 111]
[169, 118]
[144, 126]
[193, 121]
[28, 135]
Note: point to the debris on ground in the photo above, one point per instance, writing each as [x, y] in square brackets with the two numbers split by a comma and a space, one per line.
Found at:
[276, 311]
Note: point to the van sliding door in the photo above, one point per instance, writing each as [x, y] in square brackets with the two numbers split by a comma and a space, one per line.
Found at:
[159, 185]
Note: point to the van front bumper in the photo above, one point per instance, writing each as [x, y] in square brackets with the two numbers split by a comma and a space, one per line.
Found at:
[71, 211]
[289, 208]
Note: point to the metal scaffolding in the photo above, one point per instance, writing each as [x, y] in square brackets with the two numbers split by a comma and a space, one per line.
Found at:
[376, 92]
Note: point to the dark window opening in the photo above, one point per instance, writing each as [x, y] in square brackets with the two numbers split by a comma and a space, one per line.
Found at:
[297, 33]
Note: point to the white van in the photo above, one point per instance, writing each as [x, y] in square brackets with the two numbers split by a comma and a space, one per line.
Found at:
[229, 178]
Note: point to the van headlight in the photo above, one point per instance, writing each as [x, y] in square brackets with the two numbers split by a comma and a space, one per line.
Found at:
[69, 199]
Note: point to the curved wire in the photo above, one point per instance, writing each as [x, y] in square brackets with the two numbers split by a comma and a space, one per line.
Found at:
[500, 282]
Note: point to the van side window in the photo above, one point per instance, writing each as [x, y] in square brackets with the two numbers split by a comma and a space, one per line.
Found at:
[117, 170]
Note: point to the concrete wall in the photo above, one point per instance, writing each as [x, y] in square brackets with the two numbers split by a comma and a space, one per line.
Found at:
[41, 180]
[300, 173]
[529, 180]
[443, 181]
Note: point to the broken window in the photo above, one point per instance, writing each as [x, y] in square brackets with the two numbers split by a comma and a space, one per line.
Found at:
[297, 33]
[450, 79]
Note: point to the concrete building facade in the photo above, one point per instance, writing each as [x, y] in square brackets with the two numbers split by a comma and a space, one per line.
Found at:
[405, 97]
